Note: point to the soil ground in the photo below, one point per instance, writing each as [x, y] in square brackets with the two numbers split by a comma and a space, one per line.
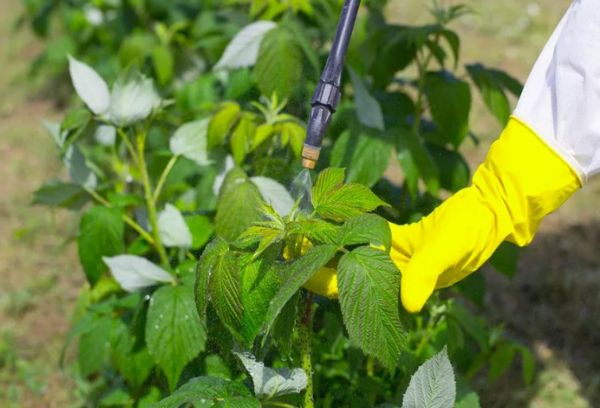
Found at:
[551, 305]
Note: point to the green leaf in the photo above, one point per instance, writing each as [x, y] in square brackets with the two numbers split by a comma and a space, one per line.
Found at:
[213, 251]
[416, 161]
[260, 282]
[134, 364]
[315, 230]
[117, 397]
[387, 51]
[328, 180]
[433, 385]
[273, 382]
[174, 332]
[202, 229]
[346, 201]
[243, 49]
[239, 206]
[225, 290]
[94, 346]
[163, 62]
[472, 325]
[75, 120]
[279, 65]
[100, 234]
[190, 141]
[450, 103]
[90, 87]
[505, 259]
[501, 360]
[453, 169]
[79, 171]
[222, 122]
[491, 91]
[209, 390]
[241, 138]
[528, 364]
[296, 275]
[368, 108]
[59, 194]
[364, 154]
[453, 41]
[134, 49]
[369, 285]
[366, 229]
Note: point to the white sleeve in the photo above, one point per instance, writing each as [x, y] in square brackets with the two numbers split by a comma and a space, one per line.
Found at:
[561, 98]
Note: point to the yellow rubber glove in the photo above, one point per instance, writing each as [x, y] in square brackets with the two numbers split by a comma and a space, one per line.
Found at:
[521, 181]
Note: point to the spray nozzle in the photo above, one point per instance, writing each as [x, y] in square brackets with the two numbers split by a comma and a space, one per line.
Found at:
[328, 93]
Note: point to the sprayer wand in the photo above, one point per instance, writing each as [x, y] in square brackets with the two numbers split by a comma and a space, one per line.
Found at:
[328, 93]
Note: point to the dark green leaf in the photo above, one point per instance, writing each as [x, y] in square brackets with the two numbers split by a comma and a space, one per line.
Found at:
[296, 275]
[388, 51]
[369, 284]
[134, 364]
[450, 103]
[368, 109]
[501, 360]
[279, 65]
[59, 194]
[505, 259]
[225, 290]
[365, 155]
[416, 161]
[100, 234]
[214, 251]
[94, 346]
[453, 169]
[491, 91]
[174, 332]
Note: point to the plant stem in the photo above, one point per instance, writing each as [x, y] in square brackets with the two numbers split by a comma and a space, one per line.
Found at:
[127, 142]
[127, 219]
[305, 339]
[163, 178]
[149, 197]
[277, 404]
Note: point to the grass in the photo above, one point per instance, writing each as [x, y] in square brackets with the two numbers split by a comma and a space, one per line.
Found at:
[550, 305]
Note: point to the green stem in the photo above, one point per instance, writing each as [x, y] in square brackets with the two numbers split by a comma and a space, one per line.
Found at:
[149, 197]
[277, 404]
[163, 178]
[127, 219]
[127, 142]
[422, 67]
[305, 339]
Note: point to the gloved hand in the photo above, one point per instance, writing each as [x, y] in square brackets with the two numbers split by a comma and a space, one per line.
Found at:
[521, 181]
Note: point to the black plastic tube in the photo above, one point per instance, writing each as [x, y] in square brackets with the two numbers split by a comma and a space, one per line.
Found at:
[328, 93]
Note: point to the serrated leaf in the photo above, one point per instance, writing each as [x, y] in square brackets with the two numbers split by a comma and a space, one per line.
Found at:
[279, 66]
[243, 49]
[316, 230]
[134, 272]
[365, 155]
[328, 180]
[209, 390]
[79, 171]
[274, 194]
[222, 123]
[214, 250]
[368, 108]
[369, 285]
[366, 229]
[101, 232]
[273, 382]
[296, 275]
[450, 103]
[90, 86]
[174, 332]
[190, 141]
[348, 201]
[239, 206]
[59, 194]
[433, 384]
[225, 290]
[133, 98]
[172, 228]
[134, 364]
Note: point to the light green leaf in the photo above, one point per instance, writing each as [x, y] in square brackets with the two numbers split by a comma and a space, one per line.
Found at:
[297, 274]
[365, 155]
[163, 62]
[222, 123]
[90, 87]
[366, 229]
[274, 194]
[368, 108]
[189, 140]
[134, 272]
[279, 66]
[208, 390]
[172, 228]
[328, 180]
[174, 333]
[273, 382]
[433, 384]
[100, 234]
[225, 290]
[202, 229]
[348, 201]
[369, 285]
[243, 49]
[133, 98]
[241, 138]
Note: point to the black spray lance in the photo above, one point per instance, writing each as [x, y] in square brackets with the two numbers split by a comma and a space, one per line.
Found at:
[327, 95]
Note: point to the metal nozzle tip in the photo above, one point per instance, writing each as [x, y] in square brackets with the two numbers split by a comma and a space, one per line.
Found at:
[310, 156]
